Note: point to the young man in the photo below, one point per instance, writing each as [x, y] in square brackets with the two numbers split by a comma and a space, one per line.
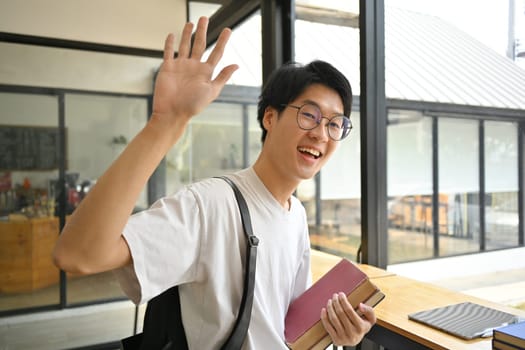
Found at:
[194, 238]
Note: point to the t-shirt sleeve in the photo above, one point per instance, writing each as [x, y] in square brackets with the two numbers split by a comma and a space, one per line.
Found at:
[165, 245]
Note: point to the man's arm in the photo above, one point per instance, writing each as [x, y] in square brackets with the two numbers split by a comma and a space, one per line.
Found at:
[92, 240]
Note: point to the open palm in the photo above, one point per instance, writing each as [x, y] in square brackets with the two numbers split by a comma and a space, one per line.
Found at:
[184, 85]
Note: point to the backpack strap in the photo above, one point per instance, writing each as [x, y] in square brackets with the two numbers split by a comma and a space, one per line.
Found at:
[237, 336]
[163, 328]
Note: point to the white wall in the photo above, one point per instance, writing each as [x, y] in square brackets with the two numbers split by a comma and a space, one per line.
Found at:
[75, 69]
[133, 23]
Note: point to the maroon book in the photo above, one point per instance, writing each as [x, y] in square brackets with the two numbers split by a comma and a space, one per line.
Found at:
[303, 327]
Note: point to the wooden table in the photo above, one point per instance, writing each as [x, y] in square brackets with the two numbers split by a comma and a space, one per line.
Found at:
[404, 296]
[393, 329]
[322, 262]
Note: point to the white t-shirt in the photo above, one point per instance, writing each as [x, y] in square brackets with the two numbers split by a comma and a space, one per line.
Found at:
[195, 239]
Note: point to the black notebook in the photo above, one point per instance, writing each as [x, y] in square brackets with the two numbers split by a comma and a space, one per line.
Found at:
[465, 320]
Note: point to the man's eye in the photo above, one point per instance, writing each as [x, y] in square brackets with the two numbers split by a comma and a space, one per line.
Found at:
[309, 116]
[335, 125]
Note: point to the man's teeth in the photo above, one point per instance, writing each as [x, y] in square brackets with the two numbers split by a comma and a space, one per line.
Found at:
[311, 151]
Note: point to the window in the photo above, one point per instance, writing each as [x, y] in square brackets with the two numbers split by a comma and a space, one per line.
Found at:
[334, 215]
[501, 189]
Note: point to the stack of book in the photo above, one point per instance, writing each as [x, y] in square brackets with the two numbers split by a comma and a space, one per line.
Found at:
[511, 337]
[303, 327]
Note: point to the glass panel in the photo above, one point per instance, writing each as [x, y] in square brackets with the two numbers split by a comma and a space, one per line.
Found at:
[501, 184]
[336, 225]
[440, 57]
[98, 128]
[459, 185]
[28, 227]
[409, 183]
[339, 230]
[214, 142]
[212, 145]
[254, 134]
[244, 49]
[322, 41]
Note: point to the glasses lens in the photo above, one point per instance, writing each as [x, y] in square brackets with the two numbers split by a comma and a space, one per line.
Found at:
[308, 117]
[339, 127]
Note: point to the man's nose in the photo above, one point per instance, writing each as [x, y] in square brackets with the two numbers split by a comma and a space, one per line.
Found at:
[320, 132]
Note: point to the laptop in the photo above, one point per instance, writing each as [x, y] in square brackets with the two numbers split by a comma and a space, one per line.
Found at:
[465, 320]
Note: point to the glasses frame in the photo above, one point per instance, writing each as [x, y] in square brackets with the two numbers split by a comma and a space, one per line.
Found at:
[350, 125]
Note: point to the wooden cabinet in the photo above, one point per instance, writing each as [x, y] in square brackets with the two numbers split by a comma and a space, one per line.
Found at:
[26, 246]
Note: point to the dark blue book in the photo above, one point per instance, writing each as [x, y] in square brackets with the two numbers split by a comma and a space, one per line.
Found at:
[513, 334]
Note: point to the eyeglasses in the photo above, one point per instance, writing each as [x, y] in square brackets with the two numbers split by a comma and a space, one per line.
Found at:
[309, 117]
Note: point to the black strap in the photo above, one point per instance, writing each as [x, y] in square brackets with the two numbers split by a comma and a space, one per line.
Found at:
[240, 329]
[163, 328]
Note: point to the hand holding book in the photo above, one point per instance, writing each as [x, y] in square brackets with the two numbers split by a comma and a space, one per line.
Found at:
[304, 328]
[345, 325]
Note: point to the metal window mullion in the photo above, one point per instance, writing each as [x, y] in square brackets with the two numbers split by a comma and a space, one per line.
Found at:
[521, 183]
[481, 201]
[62, 196]
[277, 23]
[373, 133]
[435, 185]
[245, 136]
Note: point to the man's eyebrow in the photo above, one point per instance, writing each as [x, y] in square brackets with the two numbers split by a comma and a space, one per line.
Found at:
[312, 102]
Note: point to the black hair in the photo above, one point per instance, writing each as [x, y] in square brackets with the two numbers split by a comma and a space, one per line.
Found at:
[292, 79]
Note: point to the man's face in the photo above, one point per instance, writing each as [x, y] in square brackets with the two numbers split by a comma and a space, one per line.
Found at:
[299, 154]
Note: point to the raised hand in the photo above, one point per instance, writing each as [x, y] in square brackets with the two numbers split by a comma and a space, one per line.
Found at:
[184, 85]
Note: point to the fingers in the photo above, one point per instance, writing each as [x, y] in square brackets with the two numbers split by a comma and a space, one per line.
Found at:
[169, 47]
[185, 40]
[225, 74]
[345, 312]
[368, 313]
[340, 314]
[196, 50]
[199, 44]
[327, 324]
[344, 308]
[218, 50]
[343, 323]
[333, 310]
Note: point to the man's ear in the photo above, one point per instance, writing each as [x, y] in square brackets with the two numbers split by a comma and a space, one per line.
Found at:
[269, 117]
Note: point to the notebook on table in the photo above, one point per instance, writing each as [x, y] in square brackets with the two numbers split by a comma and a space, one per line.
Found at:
[465, 320]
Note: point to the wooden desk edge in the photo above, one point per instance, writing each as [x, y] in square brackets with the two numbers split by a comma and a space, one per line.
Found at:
[321, 262]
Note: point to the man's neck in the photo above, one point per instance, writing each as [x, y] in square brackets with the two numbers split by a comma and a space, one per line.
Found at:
[279, 186]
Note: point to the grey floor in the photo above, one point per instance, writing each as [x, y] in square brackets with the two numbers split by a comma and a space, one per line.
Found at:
[68, 329]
